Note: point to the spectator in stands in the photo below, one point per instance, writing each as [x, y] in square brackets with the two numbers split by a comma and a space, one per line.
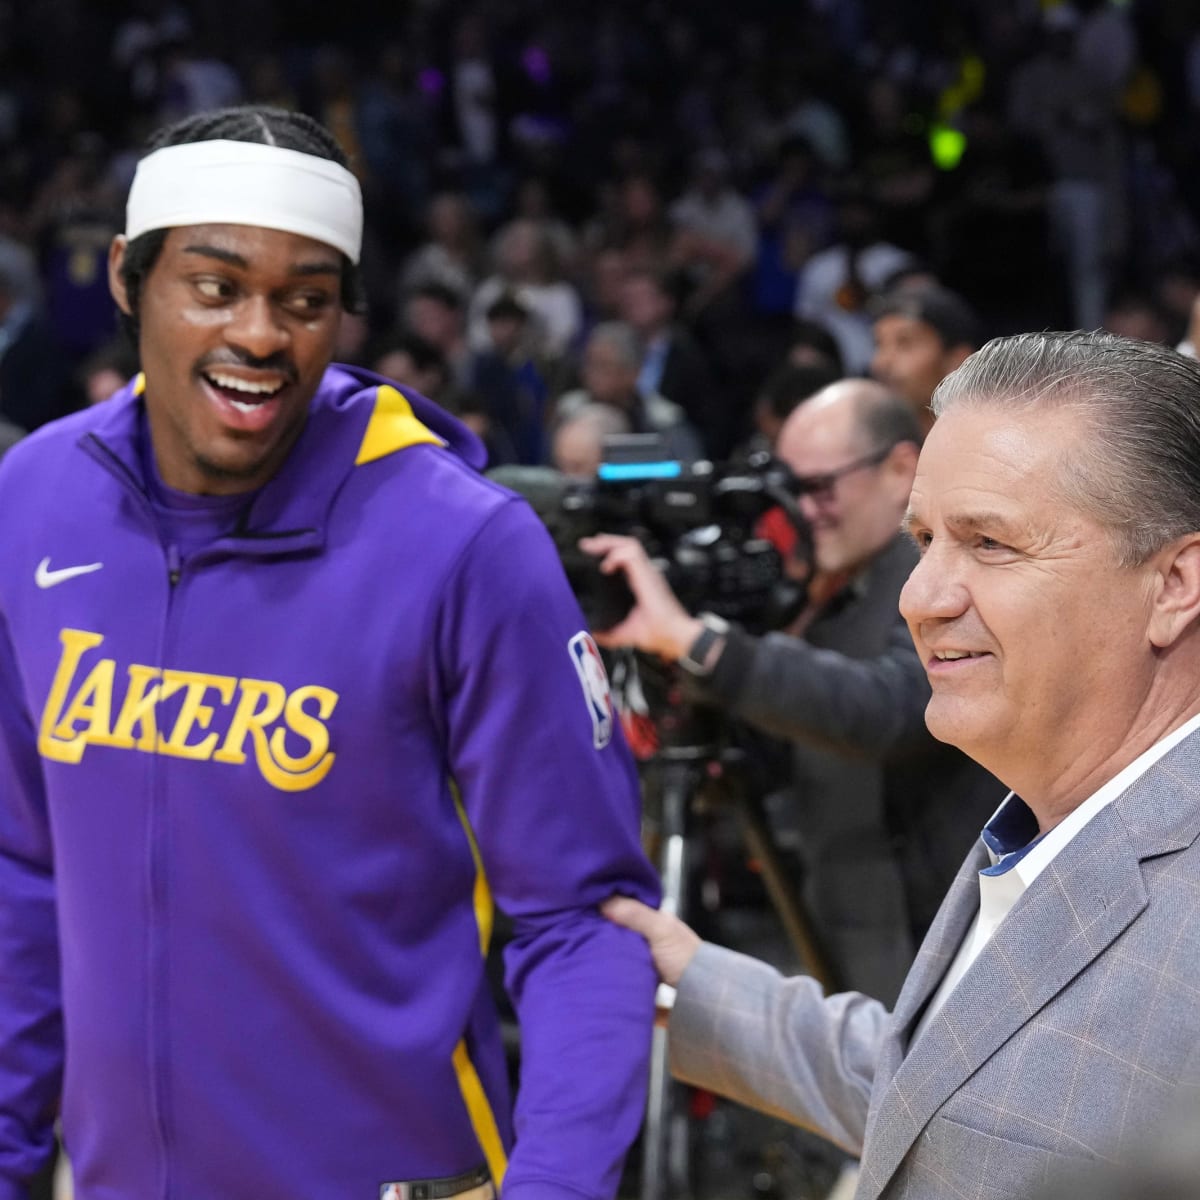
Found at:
[715, 234]
[452, 254]
[578, 442]
[1058, 100]
[509, 381]
[603, 283]
[192, 80]
[107, 370]
[1134, 314]
[435, 312]
[612, 361]
[397, 137]
[526, 263]
[837, 284]
[795, 219]
[787, 387]
[638, 224]
[534, 200]
[73, 217]
[811, 344]
[35, 384]
[673, 363]
[921, 335]
[413, 362]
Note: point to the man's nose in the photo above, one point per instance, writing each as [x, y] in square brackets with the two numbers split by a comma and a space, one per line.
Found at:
[933, 590]
[257, 328]
[810, 506]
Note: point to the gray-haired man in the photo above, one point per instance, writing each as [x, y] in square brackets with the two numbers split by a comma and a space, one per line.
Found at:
[1052, 1014]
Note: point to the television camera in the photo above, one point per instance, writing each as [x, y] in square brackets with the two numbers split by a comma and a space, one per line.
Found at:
[698, 522]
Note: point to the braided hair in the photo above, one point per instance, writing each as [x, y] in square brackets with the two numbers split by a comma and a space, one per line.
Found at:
[261, 124]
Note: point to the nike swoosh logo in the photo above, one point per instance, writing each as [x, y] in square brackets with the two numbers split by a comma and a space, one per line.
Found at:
[46, 578]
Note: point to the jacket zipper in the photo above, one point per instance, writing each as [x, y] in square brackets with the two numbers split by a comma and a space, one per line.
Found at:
[156, 882]
[158, 941]
[157, 875]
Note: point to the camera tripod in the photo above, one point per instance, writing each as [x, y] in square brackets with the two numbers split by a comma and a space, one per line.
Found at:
[695, 769]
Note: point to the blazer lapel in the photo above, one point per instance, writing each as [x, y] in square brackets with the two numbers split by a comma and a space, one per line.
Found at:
[1082, 901]
[941, 943]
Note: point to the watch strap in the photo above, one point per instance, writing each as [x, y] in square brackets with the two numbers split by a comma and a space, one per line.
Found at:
[698, 658]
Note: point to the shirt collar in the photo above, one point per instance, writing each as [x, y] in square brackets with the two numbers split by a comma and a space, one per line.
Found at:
[1012, 837]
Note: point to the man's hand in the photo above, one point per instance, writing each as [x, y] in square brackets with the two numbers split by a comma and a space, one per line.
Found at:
[672, 943]
[657, 623]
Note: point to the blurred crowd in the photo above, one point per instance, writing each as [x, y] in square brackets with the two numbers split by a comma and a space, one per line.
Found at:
[587, 219]
[637, 216]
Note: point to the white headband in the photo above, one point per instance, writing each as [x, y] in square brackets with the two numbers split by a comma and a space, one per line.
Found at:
[246, 183]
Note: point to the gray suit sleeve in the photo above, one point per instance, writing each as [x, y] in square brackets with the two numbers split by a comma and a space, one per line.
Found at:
[742, 1030]
[784, 686]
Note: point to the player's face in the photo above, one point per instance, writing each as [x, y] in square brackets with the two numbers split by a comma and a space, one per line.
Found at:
[237, 326]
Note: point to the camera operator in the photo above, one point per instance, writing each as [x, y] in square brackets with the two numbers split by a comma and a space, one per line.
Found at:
[886, 813]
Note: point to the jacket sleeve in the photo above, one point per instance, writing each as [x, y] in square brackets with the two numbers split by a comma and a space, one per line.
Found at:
[552, 796]
[784, 686]
[778, 1044]
[31, 1040]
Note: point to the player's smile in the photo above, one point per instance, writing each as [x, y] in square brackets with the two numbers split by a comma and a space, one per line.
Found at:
[255, 313]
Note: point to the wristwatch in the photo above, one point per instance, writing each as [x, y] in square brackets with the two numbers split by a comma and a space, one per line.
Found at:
[701, 656]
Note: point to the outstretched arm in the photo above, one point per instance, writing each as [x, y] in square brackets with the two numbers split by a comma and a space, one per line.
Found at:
[742, 1030]
[781, 684]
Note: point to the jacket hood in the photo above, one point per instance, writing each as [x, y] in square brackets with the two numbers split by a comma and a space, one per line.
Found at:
[456, 436]
[355, 418]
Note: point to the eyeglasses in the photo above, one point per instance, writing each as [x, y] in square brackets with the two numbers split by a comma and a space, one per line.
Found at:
[819, 486]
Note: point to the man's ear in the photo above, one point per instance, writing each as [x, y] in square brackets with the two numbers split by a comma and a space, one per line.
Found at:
[116, 284]
[1176, 602]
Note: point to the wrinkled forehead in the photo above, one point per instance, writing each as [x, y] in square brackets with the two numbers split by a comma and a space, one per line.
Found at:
[998, 457]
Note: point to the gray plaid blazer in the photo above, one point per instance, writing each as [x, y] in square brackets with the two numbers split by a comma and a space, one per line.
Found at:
[1073, 1033]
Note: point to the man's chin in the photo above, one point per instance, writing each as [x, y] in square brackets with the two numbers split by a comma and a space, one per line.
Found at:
[947, 720]
[229, 474]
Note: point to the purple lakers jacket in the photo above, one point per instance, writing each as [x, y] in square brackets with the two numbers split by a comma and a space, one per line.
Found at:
[254, 810]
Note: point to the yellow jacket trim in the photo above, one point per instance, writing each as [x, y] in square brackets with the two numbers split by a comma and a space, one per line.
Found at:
[480, 1111]
[393, 426]
[485, 909]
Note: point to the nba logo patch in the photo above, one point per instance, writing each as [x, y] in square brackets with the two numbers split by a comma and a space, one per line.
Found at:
[594, 680]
